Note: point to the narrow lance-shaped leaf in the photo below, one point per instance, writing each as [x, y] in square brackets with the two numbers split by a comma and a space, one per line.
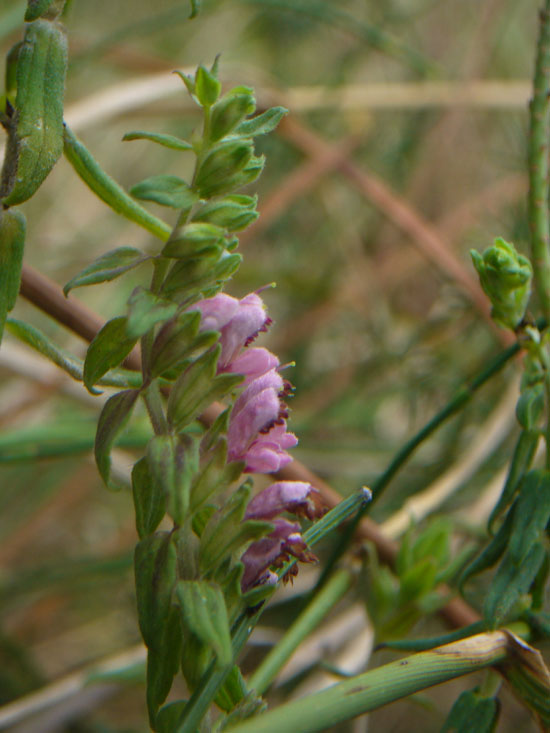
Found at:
[172, 464]
[262, 124]
[149, 499]
[204, 613]
[168, 141]
[472, 712]
[107, 267]
[532, 514]
[108, 189]
[107, 350]
[155, 564]
[12, 243]
[113, 418]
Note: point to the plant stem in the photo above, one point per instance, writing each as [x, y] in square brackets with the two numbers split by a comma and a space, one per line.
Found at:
[383, 685]
[321, 604]
[538, 164]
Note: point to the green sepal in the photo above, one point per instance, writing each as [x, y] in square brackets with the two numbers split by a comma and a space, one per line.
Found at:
[172, 463]
[179, 341]
[226, 533]
[530, 406]
[107, 350]
[167, 141]
[230, 111]
[217, 172]
[202, 275]
[207, 86]
[472, 712]
[234, 213]
[69, 363]
[165, 190]
[112, 420]
[107, 267]
[189, 82]
[49, 9]
[145, 310]
[524, 452]
[13, 229]
[194, 239]
[149, 499]
[197, 387]
[35, 131]
[168, 717]
[204, 613]
[247, 175]
[155, 563]
[215, 476]
[262, 124]
[510, 582]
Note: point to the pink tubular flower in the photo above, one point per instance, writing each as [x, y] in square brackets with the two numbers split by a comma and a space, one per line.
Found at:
[257, 428]
[277, 548]
[252, 363]
[284, 496]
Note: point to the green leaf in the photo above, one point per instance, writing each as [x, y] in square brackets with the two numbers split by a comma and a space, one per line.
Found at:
[234, 213]
[172, 464]
[168, 141]
[12, 242]
[226, 532]
[112, 420]
[419, 579]
[178, 341]
[492, 552]
[107, 267]
[166, 191]
[149, 499]
[69, 363]
[530, 406]
[262, 124]
[109, 190]
[168, 717]
[207, 86]
[156, 563]
[524, 452]
[215, 476]
[204, 613]
[145, 310]
[197, 387]
[471, 712]
[203, 275]
[510, 582]
[107, 350]
[532, 514]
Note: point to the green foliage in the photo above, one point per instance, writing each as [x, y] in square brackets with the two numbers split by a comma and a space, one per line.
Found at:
[471, 712]
[505, 277]
[13, 228]
[107, 267]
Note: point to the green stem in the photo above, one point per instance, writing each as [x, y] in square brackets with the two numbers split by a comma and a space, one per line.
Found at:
[381, 686]
[538, 164]
[155, 408]
[311, 617]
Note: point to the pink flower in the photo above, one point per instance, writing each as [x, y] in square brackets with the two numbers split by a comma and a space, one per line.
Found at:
[284, 542]
[252, 363]
[257, 428]
[284, 496]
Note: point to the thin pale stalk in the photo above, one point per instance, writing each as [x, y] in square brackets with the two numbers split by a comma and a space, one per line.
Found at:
[306, 622]
[539, 135]
[381, 686]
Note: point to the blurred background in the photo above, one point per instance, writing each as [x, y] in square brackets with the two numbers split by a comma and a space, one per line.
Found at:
[404, 147]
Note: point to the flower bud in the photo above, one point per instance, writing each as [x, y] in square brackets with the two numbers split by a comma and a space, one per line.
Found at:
[505, 277]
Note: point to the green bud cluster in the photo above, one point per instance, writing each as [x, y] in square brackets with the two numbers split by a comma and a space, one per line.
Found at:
[505, 276]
